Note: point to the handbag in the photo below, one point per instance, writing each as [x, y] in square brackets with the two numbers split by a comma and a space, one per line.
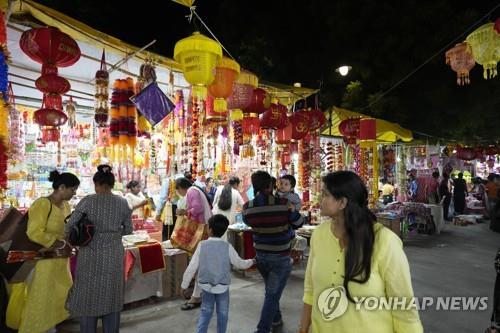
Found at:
[13, 237]
[188, 234]
[82, 231]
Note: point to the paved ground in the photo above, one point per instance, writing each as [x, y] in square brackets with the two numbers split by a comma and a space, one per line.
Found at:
[459, 262]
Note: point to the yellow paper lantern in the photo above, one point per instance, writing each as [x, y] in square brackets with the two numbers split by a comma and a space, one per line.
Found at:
[198, 55]
[484, 44]
[236, 115]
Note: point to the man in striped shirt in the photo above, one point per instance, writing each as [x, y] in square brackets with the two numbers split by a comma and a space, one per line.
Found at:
[273, 221]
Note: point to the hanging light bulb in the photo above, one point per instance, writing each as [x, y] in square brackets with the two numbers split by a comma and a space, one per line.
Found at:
[344, 70]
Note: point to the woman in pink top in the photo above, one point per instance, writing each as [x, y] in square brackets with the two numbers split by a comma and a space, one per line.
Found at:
[197, 209]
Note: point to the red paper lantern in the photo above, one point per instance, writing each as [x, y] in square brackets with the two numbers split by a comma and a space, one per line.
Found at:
[349, 128]
[242, 94]
[260, 102]
[250, 124]
[50, 134]
[316, 119]
[274, 117]
[461, 61]
[284, 135]
[497, 26]
[52, 83]
[50, 45]
[300, 124]
[466, 154]
[50, 117]
[211, 115]
[368, 129]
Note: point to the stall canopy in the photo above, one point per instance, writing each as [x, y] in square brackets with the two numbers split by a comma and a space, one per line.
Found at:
[386, 131]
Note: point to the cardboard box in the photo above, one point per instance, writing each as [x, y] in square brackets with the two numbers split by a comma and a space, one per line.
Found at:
[176, 265]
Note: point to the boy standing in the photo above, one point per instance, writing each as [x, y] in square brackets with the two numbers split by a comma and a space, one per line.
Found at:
[287, 190]
[212, 259]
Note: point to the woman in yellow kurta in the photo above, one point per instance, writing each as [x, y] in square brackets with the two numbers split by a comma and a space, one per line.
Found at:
[353, 257]
[51, 279]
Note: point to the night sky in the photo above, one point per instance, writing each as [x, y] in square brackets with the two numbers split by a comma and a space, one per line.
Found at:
[305, 41]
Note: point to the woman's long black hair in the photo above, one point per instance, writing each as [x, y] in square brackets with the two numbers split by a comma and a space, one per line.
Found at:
[359, 222]
[226, 197]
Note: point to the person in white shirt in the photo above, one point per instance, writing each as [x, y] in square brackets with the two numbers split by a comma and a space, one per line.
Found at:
[136, 200]
[228, 200]
[212, 260]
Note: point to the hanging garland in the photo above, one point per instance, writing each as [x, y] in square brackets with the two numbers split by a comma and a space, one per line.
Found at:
[195, 128]
[16, 131]
[101, 94]
[4, 109]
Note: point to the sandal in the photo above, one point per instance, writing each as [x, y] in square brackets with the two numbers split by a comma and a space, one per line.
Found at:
[190, 306]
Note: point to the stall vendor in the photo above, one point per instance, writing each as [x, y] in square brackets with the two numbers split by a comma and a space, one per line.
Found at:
[136, 200]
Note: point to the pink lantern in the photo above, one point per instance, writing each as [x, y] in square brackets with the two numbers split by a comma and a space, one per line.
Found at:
[461, 61]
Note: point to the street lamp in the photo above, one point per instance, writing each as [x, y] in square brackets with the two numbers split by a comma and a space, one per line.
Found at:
[343, 70]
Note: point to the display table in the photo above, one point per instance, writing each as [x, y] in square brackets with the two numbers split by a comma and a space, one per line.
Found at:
[139, 286]
[437, 216]
[242, 241]
[163, 283]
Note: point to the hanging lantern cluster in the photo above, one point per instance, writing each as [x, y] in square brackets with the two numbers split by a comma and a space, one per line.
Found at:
[460, 61]
[101, 94]
[51, 48]
[198, 56]
[122, 127]
[484, 45]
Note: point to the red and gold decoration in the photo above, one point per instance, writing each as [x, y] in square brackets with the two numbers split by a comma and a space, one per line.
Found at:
[300, 124]
[317, 119]
[460, 61]
[260, 102]
[484, 44]
[367, 132]
[274, 118]
[349, 128]
[284, 135]
[226, 72]
[51, 48]
[198, 56]
[101, 93]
